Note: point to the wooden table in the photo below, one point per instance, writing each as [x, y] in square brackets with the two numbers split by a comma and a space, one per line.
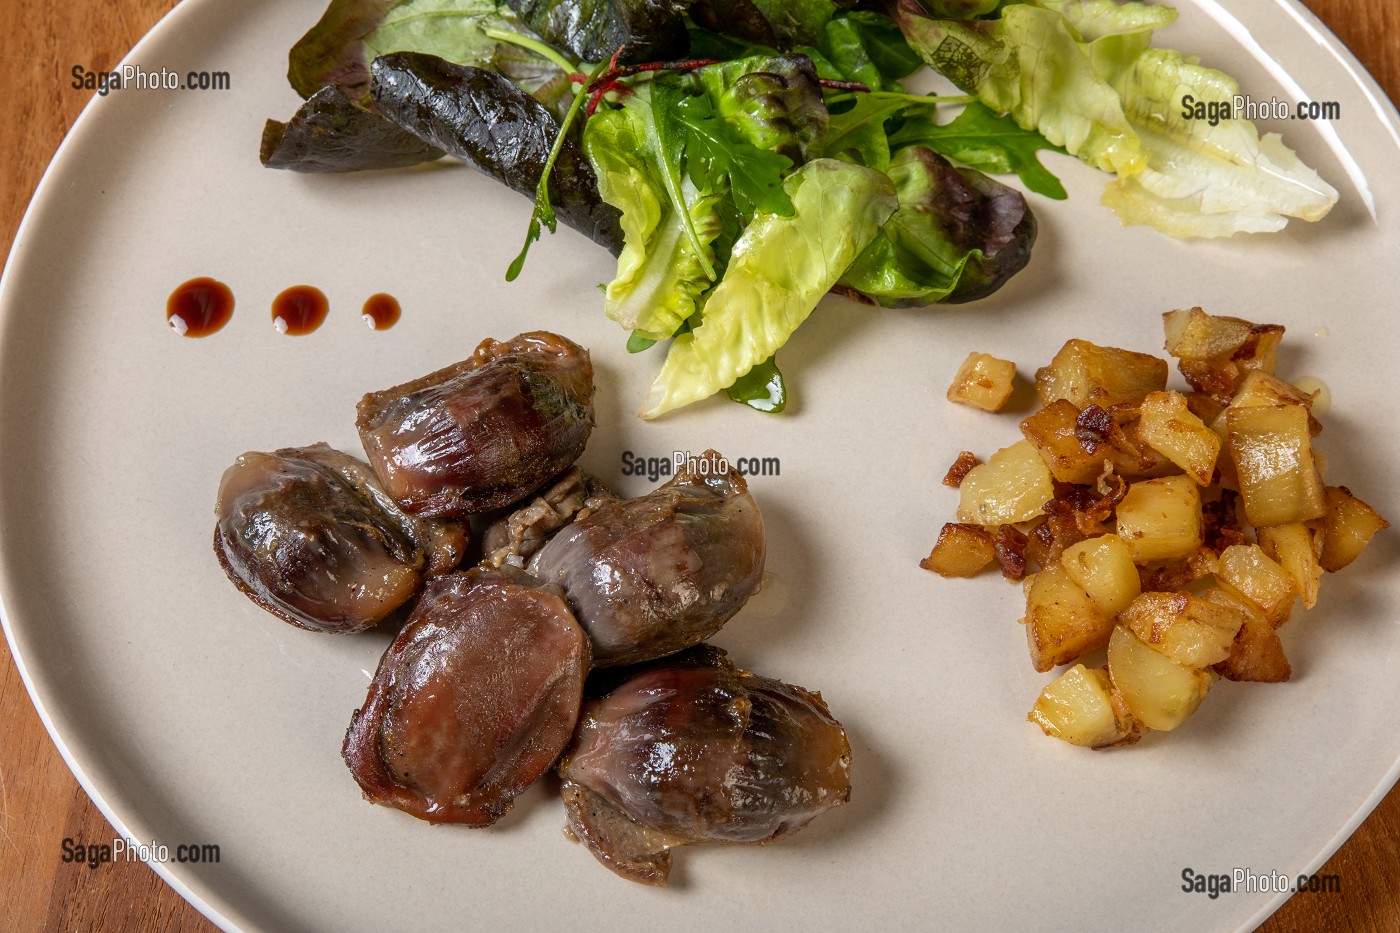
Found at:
[41, 804]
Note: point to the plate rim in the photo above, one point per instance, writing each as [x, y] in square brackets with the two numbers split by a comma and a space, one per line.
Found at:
[1386, 110]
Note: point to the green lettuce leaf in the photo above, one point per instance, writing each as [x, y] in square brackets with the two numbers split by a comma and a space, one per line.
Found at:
[867, 47]
[858, 135]
[983, 140]
[761, 388]
[1083, 74]
[780, 268]
[667, 258]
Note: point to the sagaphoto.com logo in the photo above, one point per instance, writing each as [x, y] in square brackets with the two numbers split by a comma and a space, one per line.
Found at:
[134, 77]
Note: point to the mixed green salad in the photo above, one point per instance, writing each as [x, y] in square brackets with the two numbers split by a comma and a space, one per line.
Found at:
[743, 158]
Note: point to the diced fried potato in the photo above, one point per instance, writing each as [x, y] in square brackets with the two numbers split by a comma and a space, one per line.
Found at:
[1259, 389]
[1013, 486]
[1077, 707]
[1256, 653]
[983, 381]
[1134, 458]
[1260, 351]
[1103, 568]
[1062, 622]
[1347, 528]
[1160, 693]
[1292, 546]
[1087, 374]
[1247, 571]
[1160, 519]
[1195, 335]
[1190, 630]
[1055, 433]
[1173, 431]
[961, 551]
[1271, 449]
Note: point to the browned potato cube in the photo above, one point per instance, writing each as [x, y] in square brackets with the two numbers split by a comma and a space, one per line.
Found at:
[1078, 707]
[1196, 335]
[1173, 431]
[1260, 351]
[1244, 569]
[1087, 374]
[1292, 546]
[1192, 631]
[983, 381]
[961, 551]
[1257, 653]
[1013, 486]
[1062, 622]
[1055, 433]
[1271, 449]
[1259, 389]
[1160, 519]
[1347, 528]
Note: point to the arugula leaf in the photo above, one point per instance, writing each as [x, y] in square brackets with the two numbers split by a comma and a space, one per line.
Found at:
[761, 388]
[858, 134]
[867, 47]
[715, 152]
[979, 138]
[667, 142]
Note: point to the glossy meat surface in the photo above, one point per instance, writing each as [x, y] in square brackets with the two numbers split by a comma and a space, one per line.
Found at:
[310, 535]
[691, 750]
[483, 433]
[474, 700]
[650, 576]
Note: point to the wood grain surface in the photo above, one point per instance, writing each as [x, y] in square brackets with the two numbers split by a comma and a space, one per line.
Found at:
[40, 802]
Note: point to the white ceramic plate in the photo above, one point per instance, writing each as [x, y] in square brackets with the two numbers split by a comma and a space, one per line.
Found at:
[191, 716]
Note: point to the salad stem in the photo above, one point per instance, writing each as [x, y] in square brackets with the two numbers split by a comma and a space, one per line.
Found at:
[534, 45]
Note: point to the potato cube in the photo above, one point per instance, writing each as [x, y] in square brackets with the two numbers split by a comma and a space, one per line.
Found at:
[1292, 546]
[1260, 351]
[983, 381]
[1054, 430]
[1347, 528]
[1256, 654]
[1259, 389]
[1271, 449]
[1132, 456]
[1087, 374]
[1103, 568]
[1160, 519]
[961, 551]
[1160, 693]
[1192, 631]
[1173, 431]
[1062, 622]
[1195, 335]
[1077, 707]
[1244, 569]
[1013, 486]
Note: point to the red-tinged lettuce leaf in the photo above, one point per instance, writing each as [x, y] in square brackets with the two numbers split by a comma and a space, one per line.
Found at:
[483, 119]
[593, 30]
[352, 33]
[331, 134]
[985, 141]
[957, 236]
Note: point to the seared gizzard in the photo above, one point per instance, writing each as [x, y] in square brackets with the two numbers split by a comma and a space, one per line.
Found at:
[485, 432]
[691, 749]
[482, 690]
[648, 577]
[309, 535]
[1175, 529]
[473, 701]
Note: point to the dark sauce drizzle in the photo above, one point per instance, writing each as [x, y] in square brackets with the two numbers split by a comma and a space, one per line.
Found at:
[299, 310]
[199, 307]
[381, 311]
